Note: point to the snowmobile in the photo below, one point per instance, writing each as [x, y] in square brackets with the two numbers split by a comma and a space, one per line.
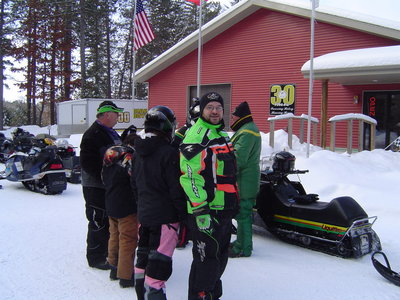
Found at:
[70, 161]
[36, 165]
[340, 227]
[6, 148]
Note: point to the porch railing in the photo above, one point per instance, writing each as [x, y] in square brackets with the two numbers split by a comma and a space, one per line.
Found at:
[290, 117]
[350, 118]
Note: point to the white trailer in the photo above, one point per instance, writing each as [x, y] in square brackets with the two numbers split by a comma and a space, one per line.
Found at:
[75, 116]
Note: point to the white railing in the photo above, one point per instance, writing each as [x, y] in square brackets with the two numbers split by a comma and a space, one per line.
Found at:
[350, 118]
[290, 117]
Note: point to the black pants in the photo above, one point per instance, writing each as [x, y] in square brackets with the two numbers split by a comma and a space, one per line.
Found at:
[210, 256]
[98, 234]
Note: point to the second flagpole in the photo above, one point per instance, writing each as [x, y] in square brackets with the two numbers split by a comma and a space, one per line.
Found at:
[199, 48]
[133, 52]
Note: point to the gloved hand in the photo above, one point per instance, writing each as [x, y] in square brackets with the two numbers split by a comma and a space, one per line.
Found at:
[204, 221]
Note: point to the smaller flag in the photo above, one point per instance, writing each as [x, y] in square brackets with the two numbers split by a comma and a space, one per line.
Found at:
[197, 2]
[143, 32]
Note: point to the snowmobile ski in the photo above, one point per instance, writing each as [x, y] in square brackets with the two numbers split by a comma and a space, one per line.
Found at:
[385, 271]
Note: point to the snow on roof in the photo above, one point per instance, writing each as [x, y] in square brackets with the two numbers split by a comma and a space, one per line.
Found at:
[342, 12]
[367, 57]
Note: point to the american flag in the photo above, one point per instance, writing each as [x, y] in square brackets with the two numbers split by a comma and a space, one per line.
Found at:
[195, 1]
[143, 31]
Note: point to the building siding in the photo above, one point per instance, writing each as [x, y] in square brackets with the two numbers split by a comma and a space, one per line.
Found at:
[266, 48]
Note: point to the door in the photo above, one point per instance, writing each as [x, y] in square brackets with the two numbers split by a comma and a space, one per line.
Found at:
[78, 114]
[384, 107]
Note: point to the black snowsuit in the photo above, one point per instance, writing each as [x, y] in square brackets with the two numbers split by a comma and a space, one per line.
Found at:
[95, 141]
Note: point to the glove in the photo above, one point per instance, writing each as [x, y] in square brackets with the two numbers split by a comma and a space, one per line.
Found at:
[204, 221]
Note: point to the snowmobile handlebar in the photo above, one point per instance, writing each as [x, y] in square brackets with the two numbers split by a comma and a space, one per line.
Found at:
[269, 175]
[298, 172]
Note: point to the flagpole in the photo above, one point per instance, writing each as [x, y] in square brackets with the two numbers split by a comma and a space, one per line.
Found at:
[199, 48]
[133, 52]
[314, 4]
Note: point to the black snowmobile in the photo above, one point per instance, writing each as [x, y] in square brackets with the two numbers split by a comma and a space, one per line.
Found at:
[36, 165]
[70, 161]
[340, 227]
[6, 148]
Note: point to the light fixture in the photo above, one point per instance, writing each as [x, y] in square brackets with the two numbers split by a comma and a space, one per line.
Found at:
[355, 99]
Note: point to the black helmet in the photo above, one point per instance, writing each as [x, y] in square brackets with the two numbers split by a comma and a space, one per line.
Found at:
[18, 132]
[194, 111]
[283, 162]
[162, 119]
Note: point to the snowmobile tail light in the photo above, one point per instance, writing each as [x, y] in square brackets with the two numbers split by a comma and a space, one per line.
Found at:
[56, 166]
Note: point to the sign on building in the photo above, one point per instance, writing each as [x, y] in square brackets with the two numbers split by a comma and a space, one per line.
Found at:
[282, 99]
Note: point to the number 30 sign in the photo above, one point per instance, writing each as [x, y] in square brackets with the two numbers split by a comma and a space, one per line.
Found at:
[282, 99]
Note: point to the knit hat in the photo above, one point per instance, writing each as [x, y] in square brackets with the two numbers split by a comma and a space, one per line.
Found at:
[242, 110]
[107, 105]
[210, 97]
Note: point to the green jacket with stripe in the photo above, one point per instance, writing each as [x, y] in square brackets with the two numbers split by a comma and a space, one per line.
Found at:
[247, 144]
[208, 168]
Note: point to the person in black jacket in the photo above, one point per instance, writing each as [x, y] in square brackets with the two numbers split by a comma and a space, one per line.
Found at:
[161, 204]
[95, 141]
[121, 210]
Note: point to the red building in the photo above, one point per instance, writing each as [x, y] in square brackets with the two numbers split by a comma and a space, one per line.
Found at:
[258, 48]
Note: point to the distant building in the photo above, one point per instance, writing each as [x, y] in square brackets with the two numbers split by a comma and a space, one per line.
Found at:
[258, 51]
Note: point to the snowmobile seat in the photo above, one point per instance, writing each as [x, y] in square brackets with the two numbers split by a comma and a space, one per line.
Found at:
[341, 211]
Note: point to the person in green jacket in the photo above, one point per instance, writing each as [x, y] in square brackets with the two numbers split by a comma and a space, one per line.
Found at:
[209, 180]
[247, 144]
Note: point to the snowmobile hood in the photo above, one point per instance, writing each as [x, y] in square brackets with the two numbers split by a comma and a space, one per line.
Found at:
[149, 144]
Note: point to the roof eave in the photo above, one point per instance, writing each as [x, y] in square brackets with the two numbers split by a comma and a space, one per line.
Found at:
[238, 13]
[189, 44]
[359, 75]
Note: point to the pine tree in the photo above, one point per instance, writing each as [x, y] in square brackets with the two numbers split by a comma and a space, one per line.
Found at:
[6, 28]
[49, 31]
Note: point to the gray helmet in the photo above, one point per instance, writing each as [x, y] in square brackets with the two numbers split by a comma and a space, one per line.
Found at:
[194, 111]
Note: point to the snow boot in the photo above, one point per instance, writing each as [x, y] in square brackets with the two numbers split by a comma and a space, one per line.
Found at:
[100, 265]
[125, 283]
[154, 294]
[113, 273]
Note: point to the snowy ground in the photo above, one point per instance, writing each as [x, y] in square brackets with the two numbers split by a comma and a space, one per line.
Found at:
[42, 238]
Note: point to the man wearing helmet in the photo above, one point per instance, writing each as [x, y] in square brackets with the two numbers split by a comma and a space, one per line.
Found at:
[209, 180]
[160, 199]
